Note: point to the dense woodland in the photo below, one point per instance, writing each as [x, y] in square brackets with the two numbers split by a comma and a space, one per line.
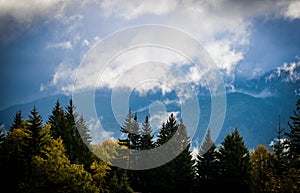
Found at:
[52, 157]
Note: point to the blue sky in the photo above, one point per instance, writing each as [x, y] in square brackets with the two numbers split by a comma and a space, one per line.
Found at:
[43, 43]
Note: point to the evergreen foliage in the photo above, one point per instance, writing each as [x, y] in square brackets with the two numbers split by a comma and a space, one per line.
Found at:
[206, 166]
[17, 121]
[234, 164]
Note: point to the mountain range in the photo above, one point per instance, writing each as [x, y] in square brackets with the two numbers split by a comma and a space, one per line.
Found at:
[254, 107]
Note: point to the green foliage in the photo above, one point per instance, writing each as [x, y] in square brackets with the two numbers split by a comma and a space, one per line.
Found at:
[177, 175]
[74, 133]
[206, 165]
[234, 164]
[294, 134]
[57, 121]
[17, 121]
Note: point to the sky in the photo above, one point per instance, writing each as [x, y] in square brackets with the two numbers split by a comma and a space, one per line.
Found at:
[44, 44]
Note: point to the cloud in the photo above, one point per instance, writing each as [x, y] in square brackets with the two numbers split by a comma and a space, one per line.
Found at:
[293, 10]
[18, 17]
[63, 45]
[63, 78]
[97, 133]
[132, 9]
[223, 28]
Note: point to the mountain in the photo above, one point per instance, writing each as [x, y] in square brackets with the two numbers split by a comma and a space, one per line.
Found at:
[254, 110]
[256, 118]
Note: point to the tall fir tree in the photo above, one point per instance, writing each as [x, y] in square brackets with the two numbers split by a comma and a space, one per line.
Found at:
[35, 125]
[294, 134]
[206, 166]
[177, 175]
[146, 135]
[125, 129]
[280, 149]
[183, 163]
[17, 121]
[234, 165]
[57, 120]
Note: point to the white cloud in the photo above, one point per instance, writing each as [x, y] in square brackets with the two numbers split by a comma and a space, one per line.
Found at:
[293, 10]
[133, 9]
[97, 132]
[223, 27]
[63, 45]
[63, 78]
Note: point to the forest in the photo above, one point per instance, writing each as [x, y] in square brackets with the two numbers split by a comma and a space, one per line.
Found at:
[55, 156]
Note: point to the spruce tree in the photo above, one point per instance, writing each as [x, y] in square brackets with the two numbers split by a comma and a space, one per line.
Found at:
[183, 164]
[125, 129]
[234, 164]
[177, 175]
[57, 120]
[146, 135]
[206, 166]
[35, 125]
[294, 133]
[17, 121]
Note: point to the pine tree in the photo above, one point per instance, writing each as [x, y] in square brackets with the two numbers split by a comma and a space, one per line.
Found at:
[125, 129]
[234, 164]
[280, 149]
[146, 135]
[35, 125]
[177, 175]
[57, 120]
[206, 165]
[134, 134]
[83, 140]
[294, 134]
[17, 121]
[183, 164]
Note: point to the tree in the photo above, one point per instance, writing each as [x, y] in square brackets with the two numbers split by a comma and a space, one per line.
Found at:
[57, 120]
[183, 164]
[177, 175]
[294, 134]
[53, 172]
[15, 158]
[234, 164]
[116, 179]
[17, 121]
[83, 140]
[35, 125]
[146, 135]
[70, 133]
[263, 171]
[206, 165]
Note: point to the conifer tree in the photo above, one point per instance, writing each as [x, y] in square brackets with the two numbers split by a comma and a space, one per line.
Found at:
[57, 120]
[294, 134]
[234, 164]
[17, 121]
[177, 175]
[35, 125]
[146, 135]
[125, 129]
[183, 164]
[206, 166]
